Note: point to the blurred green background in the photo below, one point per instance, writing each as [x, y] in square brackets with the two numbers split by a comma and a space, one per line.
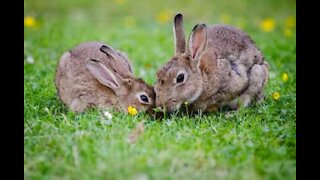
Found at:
[143, 29]
[254, 143]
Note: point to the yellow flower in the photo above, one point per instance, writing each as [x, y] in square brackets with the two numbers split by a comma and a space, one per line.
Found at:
[129, 22]
[164, 16]
[285, 77]
[288, 32]
[132, 111]
[29, 21]
[148, 65]
[186, 103]
[276, 95]
[225, 18]
[290, 22]
[267, 25]
[120, 1]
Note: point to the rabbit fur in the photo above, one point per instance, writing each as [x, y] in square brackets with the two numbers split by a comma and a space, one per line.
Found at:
[221, 65]
[93, 74]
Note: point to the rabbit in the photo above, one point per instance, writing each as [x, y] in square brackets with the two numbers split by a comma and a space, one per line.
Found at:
[219, 67]
[93, 74]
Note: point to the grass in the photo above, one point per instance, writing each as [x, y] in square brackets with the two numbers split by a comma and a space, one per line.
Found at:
[253, 143]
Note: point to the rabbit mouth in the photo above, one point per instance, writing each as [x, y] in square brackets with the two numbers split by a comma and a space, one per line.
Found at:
[168, 106]
[172, 106]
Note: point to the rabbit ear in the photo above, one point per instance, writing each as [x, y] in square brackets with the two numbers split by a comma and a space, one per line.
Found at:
[104, 75]
[197, 40]
[108, 51]
[125, 59]
[179, 35]
[119, 56]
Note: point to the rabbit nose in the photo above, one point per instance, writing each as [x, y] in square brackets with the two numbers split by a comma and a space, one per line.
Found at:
[160, 102]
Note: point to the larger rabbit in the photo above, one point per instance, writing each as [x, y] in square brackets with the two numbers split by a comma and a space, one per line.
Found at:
[93, 74]
[220, 66]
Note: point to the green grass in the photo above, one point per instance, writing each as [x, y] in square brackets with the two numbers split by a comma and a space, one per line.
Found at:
[253, 143]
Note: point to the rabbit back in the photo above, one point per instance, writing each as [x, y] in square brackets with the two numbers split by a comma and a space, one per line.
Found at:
[231, 63]
[78, 88]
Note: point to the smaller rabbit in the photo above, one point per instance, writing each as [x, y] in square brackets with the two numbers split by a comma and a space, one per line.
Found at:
[94, 75]
[220, 66]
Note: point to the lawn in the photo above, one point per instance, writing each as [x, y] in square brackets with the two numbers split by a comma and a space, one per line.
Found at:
[258, 142]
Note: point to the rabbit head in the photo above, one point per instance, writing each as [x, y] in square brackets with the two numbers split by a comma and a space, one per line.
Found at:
[180, 80]
[129, 90]
[95, 75]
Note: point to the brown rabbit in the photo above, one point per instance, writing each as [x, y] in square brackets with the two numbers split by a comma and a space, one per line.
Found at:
[220, 66]
[95, 75]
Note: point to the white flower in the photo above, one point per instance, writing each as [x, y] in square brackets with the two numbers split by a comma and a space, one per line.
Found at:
[272, 74]
[142, 72]
[30, 60]
[168, 122]
[46, 109]
[108, 115]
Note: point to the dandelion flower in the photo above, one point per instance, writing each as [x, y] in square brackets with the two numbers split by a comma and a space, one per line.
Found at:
[147, 65]
[164, 16]
[132, 111]
[290, 22]
[276, 95]
[288, 32]
[29, 21]
[267, 25]
[285, 77]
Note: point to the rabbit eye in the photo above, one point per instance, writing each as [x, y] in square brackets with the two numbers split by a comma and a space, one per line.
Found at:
[144, 98]
[180, 78]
